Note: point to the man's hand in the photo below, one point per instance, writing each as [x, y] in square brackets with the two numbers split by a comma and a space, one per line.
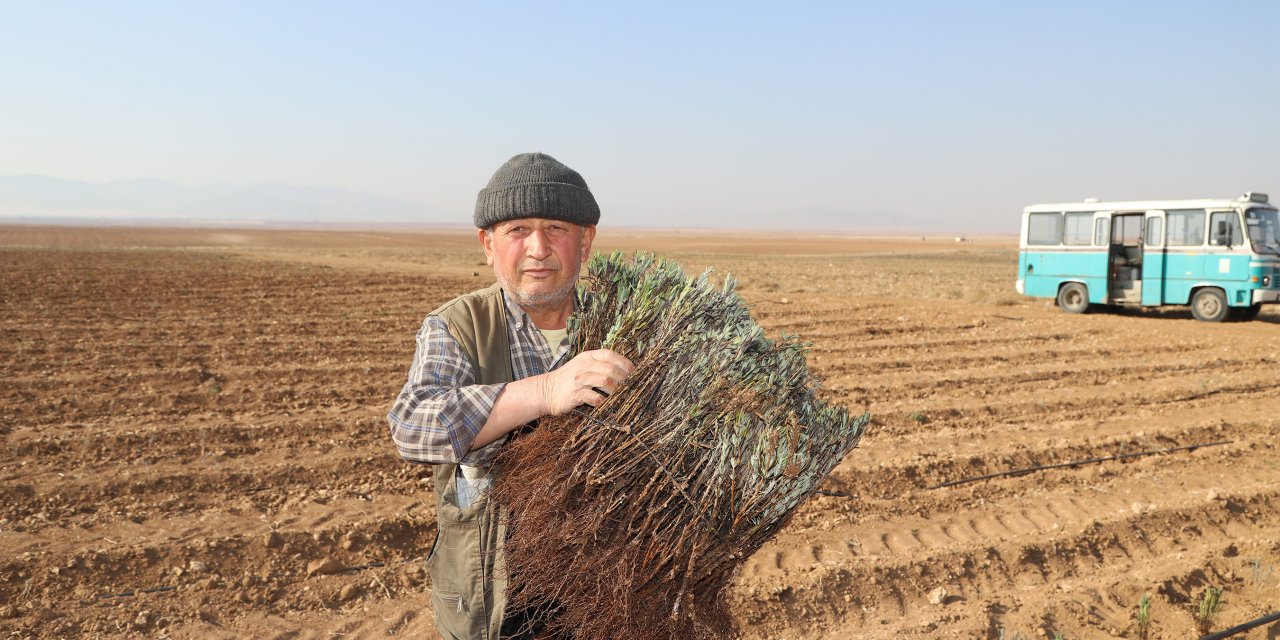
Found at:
[588, 378]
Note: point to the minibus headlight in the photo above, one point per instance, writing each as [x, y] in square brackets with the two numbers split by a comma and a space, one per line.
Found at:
[1266, 281]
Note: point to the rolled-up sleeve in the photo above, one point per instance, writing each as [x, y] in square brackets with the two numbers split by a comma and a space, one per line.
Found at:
[437, 415]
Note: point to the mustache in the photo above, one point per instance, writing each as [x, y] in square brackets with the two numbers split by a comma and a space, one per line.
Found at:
[539, 264]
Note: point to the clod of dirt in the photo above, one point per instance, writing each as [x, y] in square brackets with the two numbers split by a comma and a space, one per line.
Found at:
[938, 596]
[348, 592]
[44, 614]
[323, 567]
[349, 542]
[198, 566]
[143, 620]
[272, 540]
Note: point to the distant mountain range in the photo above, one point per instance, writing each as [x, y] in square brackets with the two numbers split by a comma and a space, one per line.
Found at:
[34, 197]
[42, 199]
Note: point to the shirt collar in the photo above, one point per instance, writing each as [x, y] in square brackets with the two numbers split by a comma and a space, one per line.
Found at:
[517, 316]
[518, 319]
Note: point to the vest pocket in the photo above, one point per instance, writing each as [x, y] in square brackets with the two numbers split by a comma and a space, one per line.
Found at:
[453, 616]
[456, 568]
[452, 603]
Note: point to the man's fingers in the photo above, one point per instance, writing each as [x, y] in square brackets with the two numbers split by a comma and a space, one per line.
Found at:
[597, 381]
[612, 358]
[594, 398]
[588, 378]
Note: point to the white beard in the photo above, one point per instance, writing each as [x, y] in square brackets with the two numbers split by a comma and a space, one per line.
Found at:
[540, 301]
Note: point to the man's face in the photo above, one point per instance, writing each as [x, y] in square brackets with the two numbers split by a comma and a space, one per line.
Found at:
[537, 260]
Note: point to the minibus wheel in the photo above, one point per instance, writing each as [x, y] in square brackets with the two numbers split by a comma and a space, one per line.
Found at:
[1073, 297]
[1209, 305]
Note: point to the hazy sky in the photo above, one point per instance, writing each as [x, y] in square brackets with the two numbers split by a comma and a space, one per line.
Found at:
[707, 114]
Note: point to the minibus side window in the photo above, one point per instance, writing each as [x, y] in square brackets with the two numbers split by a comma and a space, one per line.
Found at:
[1077, 229]
[1100, 228]
[1186, 228]
[1153, 232]
[1233, 236]
[1126, 230]
[1044, 228]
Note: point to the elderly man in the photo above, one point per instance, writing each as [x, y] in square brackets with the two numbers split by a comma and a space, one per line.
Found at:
[491, 361]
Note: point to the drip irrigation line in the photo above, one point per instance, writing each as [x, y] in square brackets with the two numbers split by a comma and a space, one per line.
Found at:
[131, 593]
[361, 567]
[837, 494]
[1227, 633]
[1076, 463]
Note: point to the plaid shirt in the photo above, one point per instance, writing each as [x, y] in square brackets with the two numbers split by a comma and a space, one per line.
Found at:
[441, 409]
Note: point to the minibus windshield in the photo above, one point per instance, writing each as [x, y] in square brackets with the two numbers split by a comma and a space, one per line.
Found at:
[1264, 230]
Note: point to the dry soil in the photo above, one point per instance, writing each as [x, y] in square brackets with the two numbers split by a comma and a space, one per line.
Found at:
[192, 440]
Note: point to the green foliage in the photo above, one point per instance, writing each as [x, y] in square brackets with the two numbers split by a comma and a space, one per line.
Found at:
[1144, 617]
[698, 458]
[737, 410]
[1210, 604]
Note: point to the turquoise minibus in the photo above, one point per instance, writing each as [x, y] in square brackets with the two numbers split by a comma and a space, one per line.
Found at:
[1221, 257]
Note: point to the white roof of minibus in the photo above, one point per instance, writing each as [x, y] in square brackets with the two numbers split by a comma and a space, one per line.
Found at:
[1142, 205]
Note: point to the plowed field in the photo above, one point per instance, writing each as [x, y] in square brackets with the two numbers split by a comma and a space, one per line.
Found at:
[192, 441]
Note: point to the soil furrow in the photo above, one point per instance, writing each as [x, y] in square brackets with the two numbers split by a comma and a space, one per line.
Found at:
[202, 412]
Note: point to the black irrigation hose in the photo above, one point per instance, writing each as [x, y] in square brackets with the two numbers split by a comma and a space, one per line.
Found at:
[837, 494]
[131, 593]
[1076, 463]
[1227, 633]
[362, 567]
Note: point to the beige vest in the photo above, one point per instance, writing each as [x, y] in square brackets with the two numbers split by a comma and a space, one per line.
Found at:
[468, 576]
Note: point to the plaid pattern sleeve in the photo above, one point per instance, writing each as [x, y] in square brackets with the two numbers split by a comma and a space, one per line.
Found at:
[440, 410]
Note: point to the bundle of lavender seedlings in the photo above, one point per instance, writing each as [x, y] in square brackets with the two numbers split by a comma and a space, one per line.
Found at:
[629, 520]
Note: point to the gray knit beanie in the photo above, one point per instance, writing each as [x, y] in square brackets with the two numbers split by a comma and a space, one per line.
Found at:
[535, 185]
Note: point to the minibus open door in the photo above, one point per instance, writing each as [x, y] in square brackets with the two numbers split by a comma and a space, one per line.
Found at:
[1153, 258]
[1124, 275]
